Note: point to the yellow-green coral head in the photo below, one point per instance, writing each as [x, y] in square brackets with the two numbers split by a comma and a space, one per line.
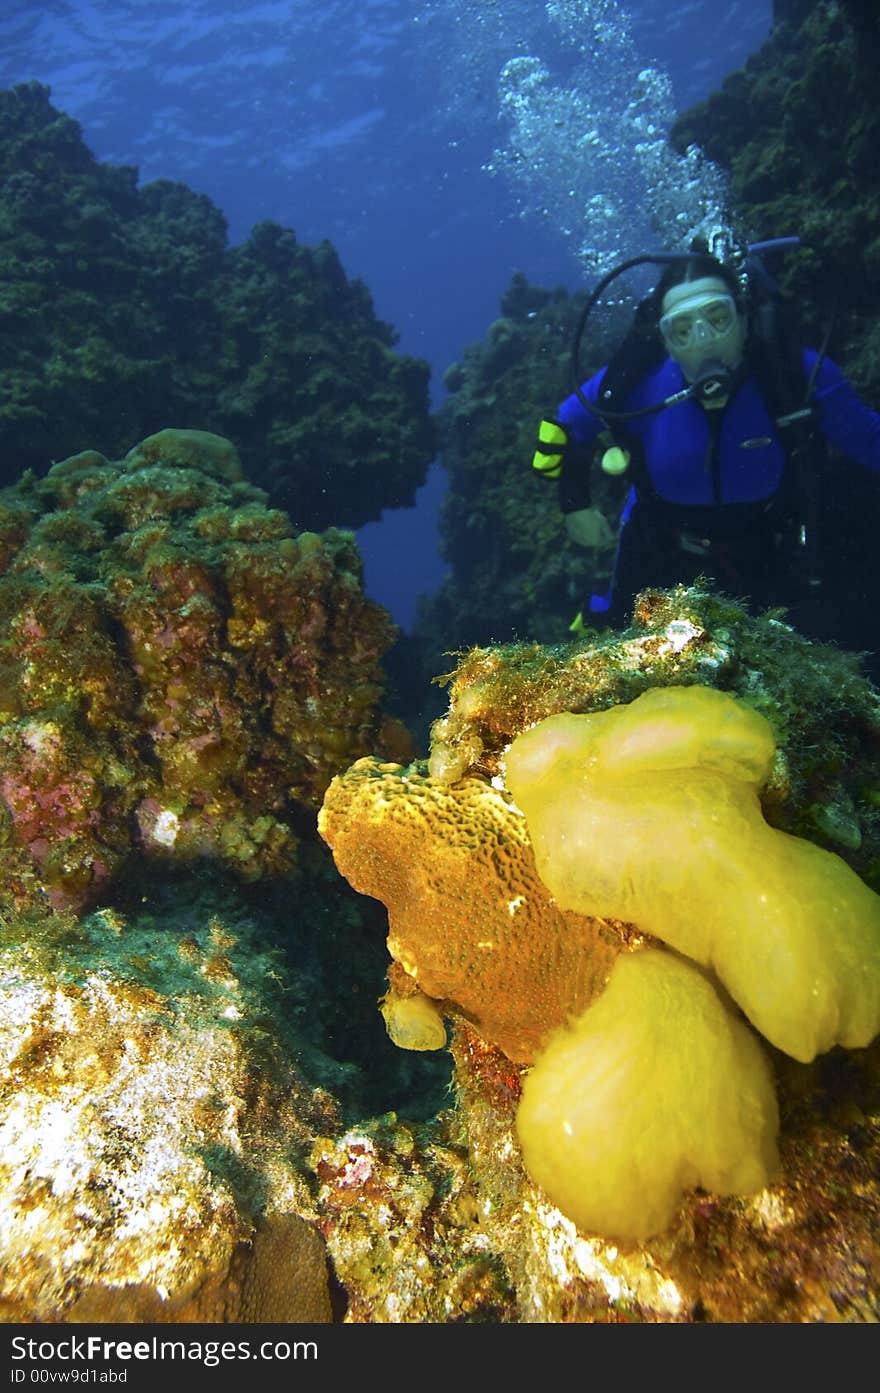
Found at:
[650, 813]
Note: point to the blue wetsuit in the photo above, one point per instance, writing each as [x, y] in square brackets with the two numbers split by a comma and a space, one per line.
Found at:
[711, 495]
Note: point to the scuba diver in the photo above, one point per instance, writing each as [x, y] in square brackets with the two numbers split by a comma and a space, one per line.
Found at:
[719, 424]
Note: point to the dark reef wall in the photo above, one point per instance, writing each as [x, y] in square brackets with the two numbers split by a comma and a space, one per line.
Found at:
[798, 130]
[514, 573]
[123, 311]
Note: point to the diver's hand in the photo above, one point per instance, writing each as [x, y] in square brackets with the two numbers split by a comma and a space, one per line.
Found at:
[588, 527]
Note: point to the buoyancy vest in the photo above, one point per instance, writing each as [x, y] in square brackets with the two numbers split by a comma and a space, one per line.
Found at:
[777, 365]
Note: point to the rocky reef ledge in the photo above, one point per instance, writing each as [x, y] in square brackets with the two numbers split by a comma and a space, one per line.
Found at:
[194, 731]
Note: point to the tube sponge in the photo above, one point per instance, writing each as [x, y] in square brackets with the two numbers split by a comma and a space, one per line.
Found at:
[650, 813]
[656, 1087]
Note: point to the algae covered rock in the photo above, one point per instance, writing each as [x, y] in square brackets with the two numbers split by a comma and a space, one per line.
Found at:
[181, 673]
[169, 1058]
[146, 1109]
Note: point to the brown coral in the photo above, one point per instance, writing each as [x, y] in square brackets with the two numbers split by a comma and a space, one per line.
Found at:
[470, 921]
[285, 1280]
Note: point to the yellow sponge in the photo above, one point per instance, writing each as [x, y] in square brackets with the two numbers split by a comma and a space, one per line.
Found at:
[413, 1022]
[655, 1088]
[649, 813]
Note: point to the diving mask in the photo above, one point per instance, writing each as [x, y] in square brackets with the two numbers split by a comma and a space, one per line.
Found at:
[701, 322]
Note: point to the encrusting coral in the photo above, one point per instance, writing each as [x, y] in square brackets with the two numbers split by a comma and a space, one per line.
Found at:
[181, 673]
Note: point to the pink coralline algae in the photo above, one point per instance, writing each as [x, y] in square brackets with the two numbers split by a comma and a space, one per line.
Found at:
[180, 674]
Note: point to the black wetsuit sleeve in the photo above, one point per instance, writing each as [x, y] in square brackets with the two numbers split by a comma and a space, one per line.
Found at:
[582, 427]
[574, 481]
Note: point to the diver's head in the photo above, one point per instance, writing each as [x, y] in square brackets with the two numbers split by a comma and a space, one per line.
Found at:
[703, 324]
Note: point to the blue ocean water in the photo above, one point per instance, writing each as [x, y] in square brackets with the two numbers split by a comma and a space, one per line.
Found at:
[378, 125]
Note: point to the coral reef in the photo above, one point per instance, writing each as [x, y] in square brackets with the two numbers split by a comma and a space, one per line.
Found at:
[825, 719]
[180, 673]
[656, 1089]
[187, 679]
[399, 1210]
[123, 308]
[803, 1250]
[650, 812]
[182, 1052]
